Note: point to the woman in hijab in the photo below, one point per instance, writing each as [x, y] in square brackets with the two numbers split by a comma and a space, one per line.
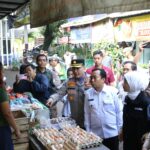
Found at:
[135, 121]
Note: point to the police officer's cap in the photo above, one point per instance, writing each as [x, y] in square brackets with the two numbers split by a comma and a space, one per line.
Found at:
[77, 63]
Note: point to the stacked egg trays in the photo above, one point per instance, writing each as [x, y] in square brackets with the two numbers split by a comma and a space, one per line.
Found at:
[70, 138]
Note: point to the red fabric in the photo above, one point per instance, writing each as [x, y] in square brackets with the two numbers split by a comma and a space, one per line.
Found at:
[110, 76]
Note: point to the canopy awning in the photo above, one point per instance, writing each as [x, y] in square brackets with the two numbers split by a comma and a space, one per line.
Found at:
[9, 6]
[47, 11]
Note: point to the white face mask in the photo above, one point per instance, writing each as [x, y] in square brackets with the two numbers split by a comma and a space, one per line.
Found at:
[4, 78]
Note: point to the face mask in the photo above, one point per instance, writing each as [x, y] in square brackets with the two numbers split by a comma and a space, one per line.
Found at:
[4, 78]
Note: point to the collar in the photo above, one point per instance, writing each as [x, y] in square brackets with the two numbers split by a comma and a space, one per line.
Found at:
[38, 70]
[104, 90]
[101, 67]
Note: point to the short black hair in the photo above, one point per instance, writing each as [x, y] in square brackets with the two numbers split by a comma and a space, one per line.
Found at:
[22, 69]
[30, 65]
[133, 65]
[102, 72]
[40, 55]
[98, 52]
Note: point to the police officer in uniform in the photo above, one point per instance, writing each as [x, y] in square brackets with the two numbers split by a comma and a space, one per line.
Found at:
[74, 87]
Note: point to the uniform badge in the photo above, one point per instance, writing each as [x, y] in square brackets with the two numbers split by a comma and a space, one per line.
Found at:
[74, 62]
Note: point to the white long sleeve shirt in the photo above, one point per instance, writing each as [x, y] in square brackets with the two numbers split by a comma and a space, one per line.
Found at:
[103, 112]
[122, 94]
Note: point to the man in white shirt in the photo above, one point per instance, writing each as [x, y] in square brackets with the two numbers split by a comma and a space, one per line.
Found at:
[103, 110]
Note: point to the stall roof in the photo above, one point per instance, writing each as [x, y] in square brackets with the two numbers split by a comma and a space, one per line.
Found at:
[105, 16]
[9, 6]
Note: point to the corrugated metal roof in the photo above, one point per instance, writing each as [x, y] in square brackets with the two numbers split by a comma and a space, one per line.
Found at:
[9, 6]
[83, 21]
[127, 14]
[105, 16]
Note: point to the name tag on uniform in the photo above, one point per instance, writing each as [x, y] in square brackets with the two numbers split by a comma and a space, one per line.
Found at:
[90, 99]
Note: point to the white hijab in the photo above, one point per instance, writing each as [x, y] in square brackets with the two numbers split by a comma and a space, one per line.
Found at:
[137, 81]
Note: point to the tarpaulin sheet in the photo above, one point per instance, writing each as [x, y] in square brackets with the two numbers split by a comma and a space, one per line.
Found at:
[47, 11]
[23, 17]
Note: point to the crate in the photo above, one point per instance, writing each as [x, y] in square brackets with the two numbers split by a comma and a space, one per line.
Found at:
[20, 118]
[23, 123]
[24, 146]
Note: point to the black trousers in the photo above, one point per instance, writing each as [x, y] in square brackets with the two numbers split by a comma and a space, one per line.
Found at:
[5, 138]
[112, 143]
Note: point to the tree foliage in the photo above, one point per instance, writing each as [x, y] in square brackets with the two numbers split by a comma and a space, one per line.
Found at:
[51, 33]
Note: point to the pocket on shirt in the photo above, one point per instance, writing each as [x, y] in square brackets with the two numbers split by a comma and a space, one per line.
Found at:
[109, 109]
[108, 104]
[92, 105]
[95, 121]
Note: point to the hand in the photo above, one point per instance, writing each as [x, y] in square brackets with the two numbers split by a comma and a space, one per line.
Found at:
[17, 133]
[30, 79]
[50, 102]
[141, 46]
[144, 137]
[146, 142]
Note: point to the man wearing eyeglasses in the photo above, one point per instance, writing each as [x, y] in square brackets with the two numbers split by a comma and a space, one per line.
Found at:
[103, 110]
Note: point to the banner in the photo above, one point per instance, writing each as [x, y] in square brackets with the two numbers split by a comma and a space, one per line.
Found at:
[132, 28]
[81, 35]
[102, 31]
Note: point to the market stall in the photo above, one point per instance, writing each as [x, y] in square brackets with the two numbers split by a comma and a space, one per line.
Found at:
[24, 108]
[39, 132]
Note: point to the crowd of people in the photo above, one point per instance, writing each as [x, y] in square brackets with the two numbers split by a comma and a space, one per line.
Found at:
[89, 96]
